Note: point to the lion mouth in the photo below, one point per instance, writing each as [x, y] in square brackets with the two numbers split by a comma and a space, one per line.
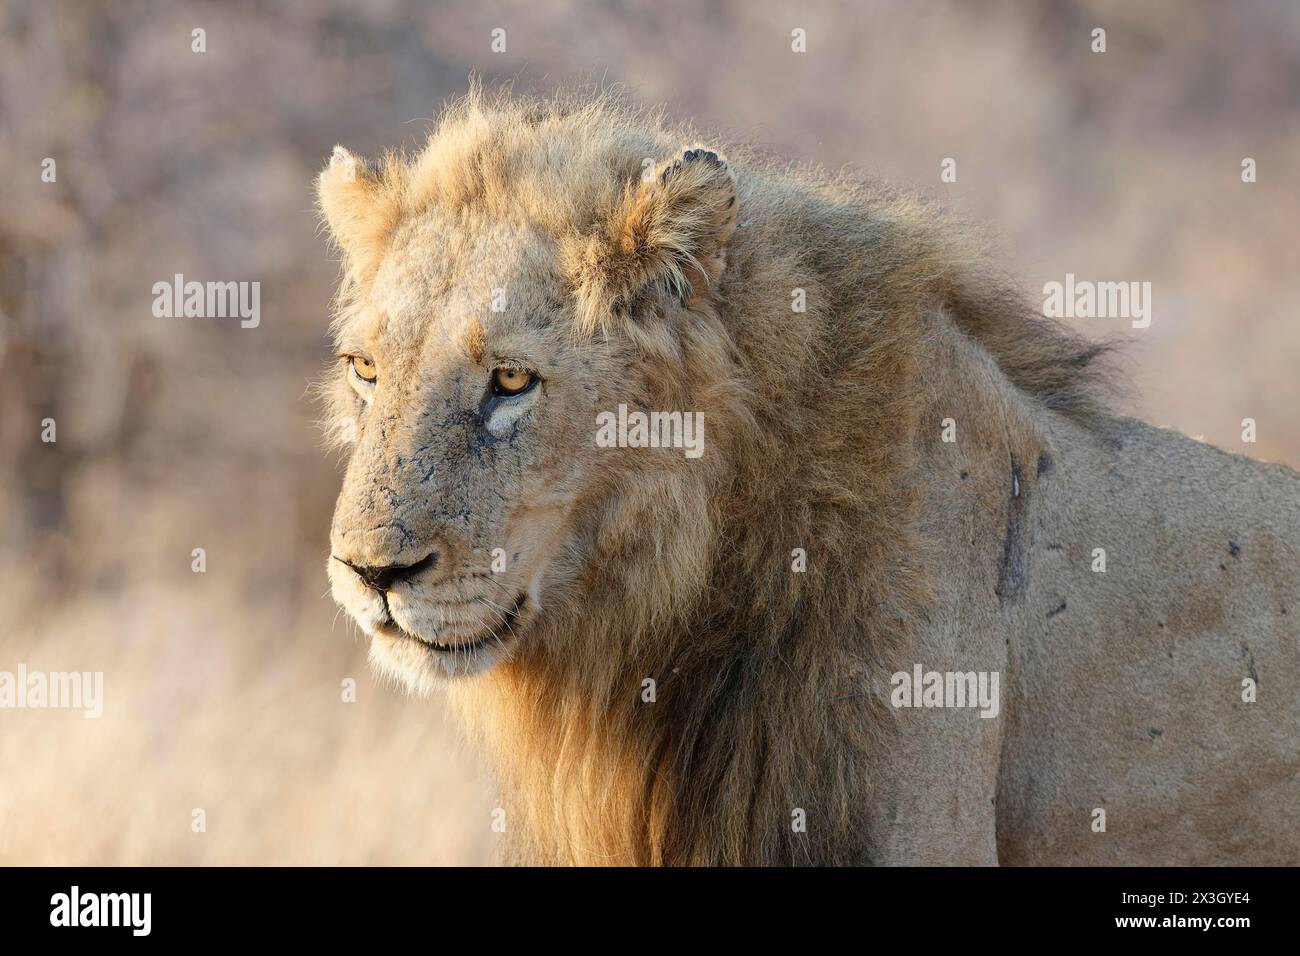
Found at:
[496, 636]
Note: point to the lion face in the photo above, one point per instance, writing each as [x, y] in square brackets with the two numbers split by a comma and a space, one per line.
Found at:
[483, 330]
[472, 411]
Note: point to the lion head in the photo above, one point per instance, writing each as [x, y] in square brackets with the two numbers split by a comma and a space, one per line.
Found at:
[654, 638]
[505, 291]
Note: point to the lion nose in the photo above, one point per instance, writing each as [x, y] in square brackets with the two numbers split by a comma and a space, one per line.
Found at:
[381, 578]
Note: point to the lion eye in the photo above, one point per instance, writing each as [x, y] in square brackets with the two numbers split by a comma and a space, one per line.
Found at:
[364, 368]
[511, 381]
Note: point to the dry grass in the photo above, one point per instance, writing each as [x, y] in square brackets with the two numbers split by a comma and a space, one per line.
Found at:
[285, 771]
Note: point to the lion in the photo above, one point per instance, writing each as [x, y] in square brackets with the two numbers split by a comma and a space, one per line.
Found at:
[903, 471]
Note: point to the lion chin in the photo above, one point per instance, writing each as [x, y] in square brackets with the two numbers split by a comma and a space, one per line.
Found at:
[421, 657]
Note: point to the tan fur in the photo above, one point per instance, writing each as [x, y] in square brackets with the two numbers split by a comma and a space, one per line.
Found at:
[671, 290]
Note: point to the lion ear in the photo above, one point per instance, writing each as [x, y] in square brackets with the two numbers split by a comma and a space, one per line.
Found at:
[358, 209]
[668, 234]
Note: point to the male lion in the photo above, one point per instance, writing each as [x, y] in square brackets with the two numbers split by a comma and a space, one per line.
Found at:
[688, 660]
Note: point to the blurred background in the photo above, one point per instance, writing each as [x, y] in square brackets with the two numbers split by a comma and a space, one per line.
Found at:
[223, 690]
